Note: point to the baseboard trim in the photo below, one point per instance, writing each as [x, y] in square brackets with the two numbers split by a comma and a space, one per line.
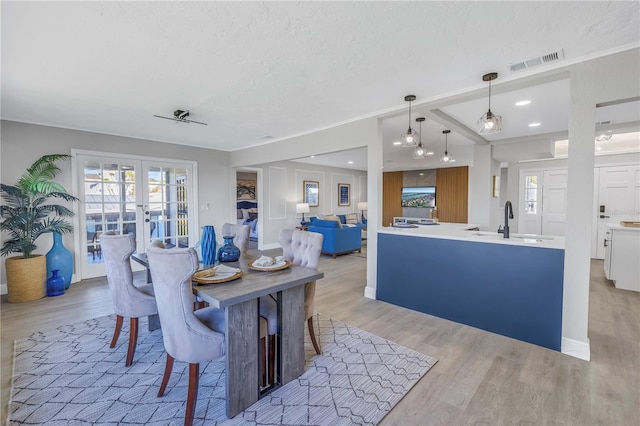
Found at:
[370, 292]
[576, 348]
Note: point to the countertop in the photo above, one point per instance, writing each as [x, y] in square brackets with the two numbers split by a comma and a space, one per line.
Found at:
[617, 226]
[460, 231]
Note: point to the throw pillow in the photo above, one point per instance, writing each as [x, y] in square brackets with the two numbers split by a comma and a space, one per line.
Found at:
[352, 218]
[333, 217]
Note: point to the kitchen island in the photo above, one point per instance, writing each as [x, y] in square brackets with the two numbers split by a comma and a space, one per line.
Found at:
[512, 287]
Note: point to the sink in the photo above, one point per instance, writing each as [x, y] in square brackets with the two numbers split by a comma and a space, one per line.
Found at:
[527, 238]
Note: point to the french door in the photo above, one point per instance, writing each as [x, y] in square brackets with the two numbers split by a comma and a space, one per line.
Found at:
[152, 199]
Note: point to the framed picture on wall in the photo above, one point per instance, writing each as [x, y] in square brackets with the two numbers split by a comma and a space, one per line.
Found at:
[311, 192]
[344, 194]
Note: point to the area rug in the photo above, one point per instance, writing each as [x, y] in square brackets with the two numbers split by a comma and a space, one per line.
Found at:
[70, 376]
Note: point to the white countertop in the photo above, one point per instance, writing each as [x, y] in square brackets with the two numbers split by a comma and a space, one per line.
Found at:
[617, 226]
[459, 231]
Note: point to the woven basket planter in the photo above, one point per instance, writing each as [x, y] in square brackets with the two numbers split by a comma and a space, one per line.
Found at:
[26, 278]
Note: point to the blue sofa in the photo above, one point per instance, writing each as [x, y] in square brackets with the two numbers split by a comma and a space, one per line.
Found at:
[337, 240]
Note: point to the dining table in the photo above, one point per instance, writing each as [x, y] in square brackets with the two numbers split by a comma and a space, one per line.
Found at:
[240, 300]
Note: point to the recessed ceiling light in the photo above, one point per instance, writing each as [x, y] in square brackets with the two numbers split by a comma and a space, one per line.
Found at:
[397, 143]
[313, 156]
[421, 174]
[522, 103]
[534, 124]
[349, 162]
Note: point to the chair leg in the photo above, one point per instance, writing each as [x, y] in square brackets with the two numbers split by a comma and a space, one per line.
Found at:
[272, 356]
[263, 359]
[313, 336]
[133, 340]
[167, 373]
[192, 394]
[116, 332]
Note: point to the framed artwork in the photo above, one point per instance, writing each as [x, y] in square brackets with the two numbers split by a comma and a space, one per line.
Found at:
[311, 191]
[246, 190]
[344, 194]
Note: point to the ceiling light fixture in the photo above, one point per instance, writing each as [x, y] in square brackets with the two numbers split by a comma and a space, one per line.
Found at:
[489, 122]
[180, 116]
[446, 157]
[411, 137]
[534, 124]
[522, 103]
[604, 136]
[349, 162]
[397, 143]
[419, 152]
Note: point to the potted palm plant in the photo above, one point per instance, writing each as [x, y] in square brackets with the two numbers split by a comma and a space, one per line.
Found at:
[27, 212]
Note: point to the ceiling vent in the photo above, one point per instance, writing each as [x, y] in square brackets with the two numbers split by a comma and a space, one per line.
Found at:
[603, 123]
[540, 60]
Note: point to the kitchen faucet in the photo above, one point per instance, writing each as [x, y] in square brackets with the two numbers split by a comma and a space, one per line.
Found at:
[508, 214]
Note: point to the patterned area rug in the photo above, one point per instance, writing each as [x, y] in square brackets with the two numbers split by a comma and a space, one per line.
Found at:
[70, 376]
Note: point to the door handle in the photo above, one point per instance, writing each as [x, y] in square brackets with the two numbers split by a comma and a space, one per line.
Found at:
[605, 243]
[603, 216]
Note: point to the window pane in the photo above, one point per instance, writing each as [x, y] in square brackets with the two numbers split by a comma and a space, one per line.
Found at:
[531, 195]
[531, 181]
[531, 207]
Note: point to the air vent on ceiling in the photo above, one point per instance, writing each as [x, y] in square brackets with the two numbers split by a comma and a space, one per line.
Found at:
[540, 60]
[603, 123]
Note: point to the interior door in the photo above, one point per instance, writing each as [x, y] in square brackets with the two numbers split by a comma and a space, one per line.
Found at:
[150, 199]
[554, 202]
[618, 199]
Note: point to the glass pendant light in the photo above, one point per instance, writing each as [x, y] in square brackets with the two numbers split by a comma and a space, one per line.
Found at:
[420, 151]
[410, 138]
[447, 157]
[489, 123]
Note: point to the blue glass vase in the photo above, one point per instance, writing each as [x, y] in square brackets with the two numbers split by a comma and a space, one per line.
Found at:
[55, 284]
[208, 245]
[228, 252]
[60, 258]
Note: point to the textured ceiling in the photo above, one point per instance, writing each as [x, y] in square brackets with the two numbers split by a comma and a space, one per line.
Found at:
[253, 70]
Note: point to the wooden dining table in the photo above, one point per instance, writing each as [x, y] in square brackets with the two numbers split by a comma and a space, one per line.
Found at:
[240, 300]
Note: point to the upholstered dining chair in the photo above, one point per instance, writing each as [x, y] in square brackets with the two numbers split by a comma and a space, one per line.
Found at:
[129, 300]
[301, 248]
[188, 335]
[240, 235]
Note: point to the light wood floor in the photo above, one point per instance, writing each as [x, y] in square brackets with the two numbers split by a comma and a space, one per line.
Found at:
[481, 378]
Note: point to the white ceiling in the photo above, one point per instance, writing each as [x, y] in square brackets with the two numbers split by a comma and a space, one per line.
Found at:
[259, 72]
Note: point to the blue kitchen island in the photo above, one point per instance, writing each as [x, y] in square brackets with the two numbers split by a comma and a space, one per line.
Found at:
[512, 287]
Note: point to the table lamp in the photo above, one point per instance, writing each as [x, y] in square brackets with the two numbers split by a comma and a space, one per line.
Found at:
[302, 208]
[362, 205]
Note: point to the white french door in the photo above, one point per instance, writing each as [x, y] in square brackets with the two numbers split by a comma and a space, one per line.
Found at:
[530, 217]
[554, 202]
[153, 199]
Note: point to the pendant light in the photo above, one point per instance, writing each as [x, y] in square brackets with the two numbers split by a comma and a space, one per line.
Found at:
[446, 157]
[410, 138]
[420, 151]
[489, 123]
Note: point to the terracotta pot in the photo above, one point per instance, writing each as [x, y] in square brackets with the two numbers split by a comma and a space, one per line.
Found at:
[26, 278]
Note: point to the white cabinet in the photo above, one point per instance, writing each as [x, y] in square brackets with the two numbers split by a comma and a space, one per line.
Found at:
[622, 256]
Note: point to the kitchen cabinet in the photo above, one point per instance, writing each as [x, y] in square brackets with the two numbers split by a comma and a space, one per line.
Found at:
[622, 256]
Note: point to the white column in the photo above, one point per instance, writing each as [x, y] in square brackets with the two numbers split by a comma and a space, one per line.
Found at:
[374, 199]
[479, 197]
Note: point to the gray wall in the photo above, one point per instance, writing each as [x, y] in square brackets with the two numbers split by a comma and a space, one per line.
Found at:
[22, 144]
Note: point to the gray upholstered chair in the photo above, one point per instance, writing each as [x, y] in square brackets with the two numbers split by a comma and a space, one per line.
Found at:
[240, 235]
[128, 300]
[302, 248]
[188, 335]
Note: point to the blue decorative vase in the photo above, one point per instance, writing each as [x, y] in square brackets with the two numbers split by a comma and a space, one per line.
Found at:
[228, 252]
[61, 259]
[208, 245]
[55, 284]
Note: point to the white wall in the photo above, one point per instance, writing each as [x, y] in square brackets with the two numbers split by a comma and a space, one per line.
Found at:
[282, 188]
